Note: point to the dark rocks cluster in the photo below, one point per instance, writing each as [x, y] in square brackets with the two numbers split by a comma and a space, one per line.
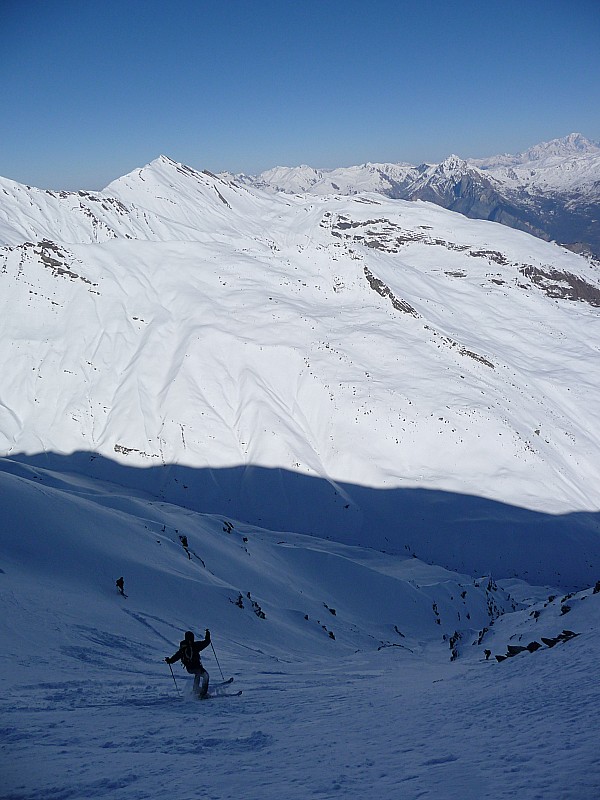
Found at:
[239, 602]
[515, 650]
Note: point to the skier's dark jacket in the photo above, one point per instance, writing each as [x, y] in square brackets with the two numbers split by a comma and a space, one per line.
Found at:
[189, 653]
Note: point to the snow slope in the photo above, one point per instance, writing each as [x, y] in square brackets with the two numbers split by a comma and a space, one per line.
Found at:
[366, 672]
[355, 437]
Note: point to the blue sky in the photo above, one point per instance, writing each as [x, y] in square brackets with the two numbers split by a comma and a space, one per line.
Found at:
[91, 89]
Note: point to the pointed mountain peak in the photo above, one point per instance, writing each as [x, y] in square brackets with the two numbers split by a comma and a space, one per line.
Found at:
[170, 163]
[451, 167]
[160, 161]
[579, 142]
[160, 169]
[453, 163]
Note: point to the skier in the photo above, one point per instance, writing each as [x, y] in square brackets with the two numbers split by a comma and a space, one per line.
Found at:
[120, 586]
[189, 654]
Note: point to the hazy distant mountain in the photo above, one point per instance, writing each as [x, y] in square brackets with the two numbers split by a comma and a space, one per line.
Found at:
[552, 190]
[388, 179]
[563, 163]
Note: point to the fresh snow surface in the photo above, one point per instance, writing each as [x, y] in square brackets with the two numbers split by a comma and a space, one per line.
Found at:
[357, 438]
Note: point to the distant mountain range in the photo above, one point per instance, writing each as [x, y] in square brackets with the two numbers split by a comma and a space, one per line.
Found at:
[551, 191]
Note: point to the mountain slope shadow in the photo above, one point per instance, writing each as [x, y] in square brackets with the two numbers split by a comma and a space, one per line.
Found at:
[465, 533]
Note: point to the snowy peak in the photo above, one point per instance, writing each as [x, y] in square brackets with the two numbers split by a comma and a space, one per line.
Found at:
[453, 164]
[163, 200]
[291, 179]
[161, 169]
[171, 179]
[568, 164]
[443, 177]
[554, 188]
[575, 144]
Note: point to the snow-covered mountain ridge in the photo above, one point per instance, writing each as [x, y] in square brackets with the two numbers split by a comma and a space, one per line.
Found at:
[551, 190]
[180, 319]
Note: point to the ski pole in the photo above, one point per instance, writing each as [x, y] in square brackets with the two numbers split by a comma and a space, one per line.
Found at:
[217, 660]
[174, 681]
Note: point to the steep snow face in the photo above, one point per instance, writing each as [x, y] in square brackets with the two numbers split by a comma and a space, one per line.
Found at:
[298, 348]
[73, 532]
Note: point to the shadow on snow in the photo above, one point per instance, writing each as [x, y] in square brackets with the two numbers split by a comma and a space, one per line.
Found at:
[465, 533]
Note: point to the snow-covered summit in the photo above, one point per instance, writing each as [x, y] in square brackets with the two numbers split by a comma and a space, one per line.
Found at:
[165, 199]
[569, 164]
[575, 144]
[442, 178]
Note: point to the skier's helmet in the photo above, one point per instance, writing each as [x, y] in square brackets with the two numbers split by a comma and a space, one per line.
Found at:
[188, 636]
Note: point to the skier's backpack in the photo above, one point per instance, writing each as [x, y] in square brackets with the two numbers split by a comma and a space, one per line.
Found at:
[187, 655]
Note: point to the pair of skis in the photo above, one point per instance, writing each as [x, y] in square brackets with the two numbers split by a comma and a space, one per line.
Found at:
[218, 693]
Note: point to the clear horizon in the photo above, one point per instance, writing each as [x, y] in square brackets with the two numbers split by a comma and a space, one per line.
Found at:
[91, 91]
